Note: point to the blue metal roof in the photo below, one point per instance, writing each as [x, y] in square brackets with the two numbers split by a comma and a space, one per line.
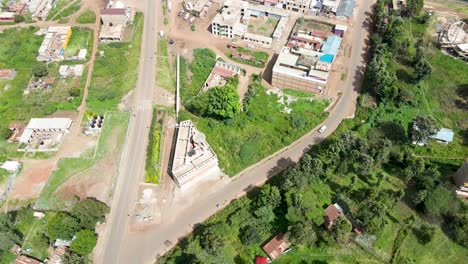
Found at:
[346, 8]
[444, 134]
[327, 58]
[319, 4]
[331, 45]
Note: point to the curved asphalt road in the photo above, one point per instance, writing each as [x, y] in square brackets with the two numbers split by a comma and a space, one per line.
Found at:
[124, 247]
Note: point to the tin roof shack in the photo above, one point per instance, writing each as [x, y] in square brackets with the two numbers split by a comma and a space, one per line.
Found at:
[345, 9]
[7, 17]
[276, 246]
[220, 73]
[55, 42]
[39, 84]
[7, 74]
[24, 259]
[193, 159]
[444, 135]
[461, 180]
[332, 212]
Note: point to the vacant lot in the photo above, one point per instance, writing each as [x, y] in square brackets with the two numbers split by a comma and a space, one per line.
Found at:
[87, 17]
[312, 25]
[63, 9]
[115, 73]
[91, 174]
[262, 25]
[81, 38]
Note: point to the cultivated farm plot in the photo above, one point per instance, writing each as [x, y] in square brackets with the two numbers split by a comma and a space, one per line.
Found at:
[262, 25]
[90, 175]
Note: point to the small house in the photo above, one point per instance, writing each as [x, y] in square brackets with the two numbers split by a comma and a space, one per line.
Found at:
[276, 246]
[332, 212]
[24, 259]
[11, 166]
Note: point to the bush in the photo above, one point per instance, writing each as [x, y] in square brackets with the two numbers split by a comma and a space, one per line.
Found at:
[40, 70]
[84, 242]
[87, 17]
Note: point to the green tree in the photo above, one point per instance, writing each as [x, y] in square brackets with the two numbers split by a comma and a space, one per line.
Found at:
[89, 211]
[62, 226]
[413, 7]
[9, 235]
[422, 69]
[381, 80]
[302, 234]
[73, 258]
[254, 233]
[265, 214]
[426, 233]
[40, 70]
[223, 102]
[342, 229]
[84, 242]
[19, 18]
[423, 127]
[212, 238]
[380, 18]
[459, 225]
[440, 201]
[269, 195]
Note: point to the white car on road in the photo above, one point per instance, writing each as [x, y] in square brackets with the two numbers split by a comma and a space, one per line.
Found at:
[322, 129]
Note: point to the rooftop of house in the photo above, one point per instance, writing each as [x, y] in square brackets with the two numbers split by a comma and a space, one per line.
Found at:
[444, 134]
[276, 246]
[332, 212]
[113, 11]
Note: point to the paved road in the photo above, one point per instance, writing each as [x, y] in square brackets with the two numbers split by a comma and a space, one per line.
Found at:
[131, 170]
[144, 247]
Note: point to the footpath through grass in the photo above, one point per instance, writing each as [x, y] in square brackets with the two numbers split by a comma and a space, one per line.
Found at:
[115, 123]
[58, 14]
[115, 73]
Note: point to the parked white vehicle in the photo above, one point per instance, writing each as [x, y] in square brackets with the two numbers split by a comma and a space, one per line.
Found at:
[161, 33]
[186, 16]
[192, 19]
[322, 129]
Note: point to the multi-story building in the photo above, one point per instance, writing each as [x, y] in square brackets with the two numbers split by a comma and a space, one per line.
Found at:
[301, 6]
[229, 23]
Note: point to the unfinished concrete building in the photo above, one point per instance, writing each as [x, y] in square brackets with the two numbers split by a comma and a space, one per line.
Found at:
[193, 159]
[301, 6]
[455, 38]
[54, 44]
[114, 21]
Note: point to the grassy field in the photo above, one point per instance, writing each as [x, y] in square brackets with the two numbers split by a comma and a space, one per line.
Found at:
[115, 74]
[153, 162]
[115, 122]
[87, 17]
[81, 38]
[262, 26]
[57, 13]
[33, 232]
[164, 74]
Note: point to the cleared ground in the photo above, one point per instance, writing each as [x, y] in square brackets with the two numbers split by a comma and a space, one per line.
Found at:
[262, 25]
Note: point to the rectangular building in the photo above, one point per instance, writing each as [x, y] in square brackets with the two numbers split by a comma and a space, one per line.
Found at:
[300, 6]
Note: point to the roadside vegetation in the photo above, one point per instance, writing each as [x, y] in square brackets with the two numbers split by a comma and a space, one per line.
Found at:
[153, 150]
[404, 204]
[36, 235]
[115, 73]
[164, 74]
[87, 17]
[241, 138]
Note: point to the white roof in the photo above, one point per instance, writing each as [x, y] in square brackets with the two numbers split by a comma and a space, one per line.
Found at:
[341, 27]
[7, 14]
[27, 134]
[82, 53]
[11, 166]
[49, 123]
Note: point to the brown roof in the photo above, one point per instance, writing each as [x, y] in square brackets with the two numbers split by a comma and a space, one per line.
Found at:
[7, 73]
[23, 259]
[331, 214]
[113, 11]
[276, 246]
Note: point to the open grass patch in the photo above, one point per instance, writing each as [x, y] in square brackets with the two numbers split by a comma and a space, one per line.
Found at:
[63, 9]
[87, 17]
[68, 167]
[164, 73]
[298, 94]
[115, 73]
[153, 150]
[258, 58]
[81, 38]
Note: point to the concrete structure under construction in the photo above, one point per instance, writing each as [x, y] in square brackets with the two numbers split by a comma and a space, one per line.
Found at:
[220, 73]
[197, 8]
[233, 21]
[455, 38]
[54, 44]
[193, 159]
[71, 70]
[40, 8]
[114, 20]
[301, 6]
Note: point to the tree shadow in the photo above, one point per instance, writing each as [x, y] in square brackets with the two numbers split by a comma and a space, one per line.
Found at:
[281, 165]
[462, 101]
[393, 131]
[268, 72]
